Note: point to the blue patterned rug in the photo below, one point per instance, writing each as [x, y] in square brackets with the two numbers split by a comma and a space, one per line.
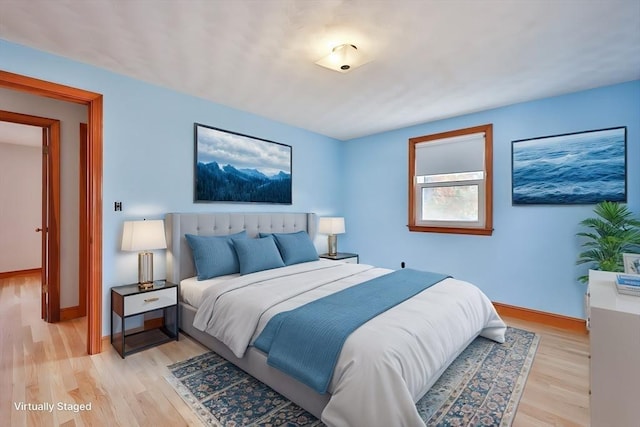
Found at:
[481, 387]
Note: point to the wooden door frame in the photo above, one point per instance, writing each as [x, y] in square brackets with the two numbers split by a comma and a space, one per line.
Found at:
[93, 226]
[50, 127]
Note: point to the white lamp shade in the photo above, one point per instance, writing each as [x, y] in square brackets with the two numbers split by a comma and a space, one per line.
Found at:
[143, 235]
[331, 225]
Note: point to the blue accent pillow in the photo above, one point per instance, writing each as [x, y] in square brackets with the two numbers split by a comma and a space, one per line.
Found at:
[257, 254]
[214, 255]
[295, 247]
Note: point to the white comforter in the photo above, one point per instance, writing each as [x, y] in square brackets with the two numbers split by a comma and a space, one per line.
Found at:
[388, 363]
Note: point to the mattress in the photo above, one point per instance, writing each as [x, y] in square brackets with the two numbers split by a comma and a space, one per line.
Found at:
[192, 289]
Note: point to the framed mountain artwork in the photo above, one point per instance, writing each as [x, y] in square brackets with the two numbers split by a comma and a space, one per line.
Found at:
[232, 167]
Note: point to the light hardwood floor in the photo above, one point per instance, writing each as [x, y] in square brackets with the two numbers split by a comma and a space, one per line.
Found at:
[43, 362]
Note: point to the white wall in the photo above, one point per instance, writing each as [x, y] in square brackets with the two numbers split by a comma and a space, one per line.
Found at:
[70, 116]
[20, 207]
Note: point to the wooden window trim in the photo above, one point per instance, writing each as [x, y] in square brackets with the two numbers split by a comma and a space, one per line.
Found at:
[487, 230]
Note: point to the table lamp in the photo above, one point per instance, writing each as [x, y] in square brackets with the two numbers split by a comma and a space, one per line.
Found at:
[144, 236]
[331, 226]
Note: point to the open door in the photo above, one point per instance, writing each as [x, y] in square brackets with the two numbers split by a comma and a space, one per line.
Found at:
[50, 298]
[44, 269]
[84, 245]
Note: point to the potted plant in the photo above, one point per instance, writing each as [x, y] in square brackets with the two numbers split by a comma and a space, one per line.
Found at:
[613, 232]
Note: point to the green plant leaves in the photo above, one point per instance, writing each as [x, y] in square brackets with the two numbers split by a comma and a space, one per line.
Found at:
[612, 233]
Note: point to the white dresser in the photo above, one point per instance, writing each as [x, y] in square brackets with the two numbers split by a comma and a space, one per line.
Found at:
[615, 353]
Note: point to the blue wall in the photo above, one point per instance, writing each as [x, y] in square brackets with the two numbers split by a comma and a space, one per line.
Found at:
[530, 259]
[149, 148]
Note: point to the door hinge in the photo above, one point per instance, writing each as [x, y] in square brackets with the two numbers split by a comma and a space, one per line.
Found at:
[45, 150]
[45, 289]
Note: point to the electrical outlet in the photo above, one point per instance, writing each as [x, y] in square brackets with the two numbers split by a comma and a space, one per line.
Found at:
[117, 206]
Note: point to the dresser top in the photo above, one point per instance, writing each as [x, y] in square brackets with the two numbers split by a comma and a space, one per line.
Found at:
[604, 295]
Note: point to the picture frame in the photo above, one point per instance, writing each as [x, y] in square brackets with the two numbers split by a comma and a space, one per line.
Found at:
[631, 263]
[572, 168]
[236, 168]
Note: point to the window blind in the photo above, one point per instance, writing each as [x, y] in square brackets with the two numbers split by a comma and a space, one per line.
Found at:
[457, 154]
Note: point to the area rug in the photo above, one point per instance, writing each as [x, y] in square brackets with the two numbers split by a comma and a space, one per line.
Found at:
[481, 387]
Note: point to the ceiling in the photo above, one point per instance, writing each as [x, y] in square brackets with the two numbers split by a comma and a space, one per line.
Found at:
[430, 59]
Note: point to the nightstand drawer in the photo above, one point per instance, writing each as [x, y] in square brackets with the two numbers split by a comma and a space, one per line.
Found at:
[153, 300]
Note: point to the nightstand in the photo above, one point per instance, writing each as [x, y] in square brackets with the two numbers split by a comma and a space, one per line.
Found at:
[343, 257]
[129, 330]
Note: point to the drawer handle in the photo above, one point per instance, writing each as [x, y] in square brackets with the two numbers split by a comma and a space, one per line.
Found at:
[151, 299]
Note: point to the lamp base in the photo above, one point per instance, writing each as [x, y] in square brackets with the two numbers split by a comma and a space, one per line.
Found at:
[145, 270]
[332, 245]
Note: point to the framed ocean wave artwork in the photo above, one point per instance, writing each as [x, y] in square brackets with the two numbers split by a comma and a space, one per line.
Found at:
[573, 168]
[232, 167]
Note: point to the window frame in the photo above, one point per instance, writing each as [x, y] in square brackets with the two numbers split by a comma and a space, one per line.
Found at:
[420, 187]
[454, 227]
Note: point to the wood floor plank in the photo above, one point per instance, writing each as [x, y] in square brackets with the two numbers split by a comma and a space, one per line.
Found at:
[43, 362]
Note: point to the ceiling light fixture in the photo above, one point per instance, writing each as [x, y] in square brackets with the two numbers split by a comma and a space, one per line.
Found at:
[343, 58]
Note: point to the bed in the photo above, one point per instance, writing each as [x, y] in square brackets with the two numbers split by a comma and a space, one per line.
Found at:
[385, 365]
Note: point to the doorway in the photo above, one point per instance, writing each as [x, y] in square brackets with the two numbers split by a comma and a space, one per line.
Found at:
[48, 228]
[93, 224]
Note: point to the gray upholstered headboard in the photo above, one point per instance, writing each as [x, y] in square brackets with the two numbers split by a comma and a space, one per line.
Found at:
[179, 259]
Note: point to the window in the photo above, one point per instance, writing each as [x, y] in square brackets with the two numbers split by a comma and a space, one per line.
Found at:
[450, 181]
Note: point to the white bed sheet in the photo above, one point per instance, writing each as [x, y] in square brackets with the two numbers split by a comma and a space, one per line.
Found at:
[192, 289]
[388, 363]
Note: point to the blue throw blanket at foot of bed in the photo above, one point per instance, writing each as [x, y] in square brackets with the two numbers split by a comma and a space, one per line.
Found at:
[306, 342]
